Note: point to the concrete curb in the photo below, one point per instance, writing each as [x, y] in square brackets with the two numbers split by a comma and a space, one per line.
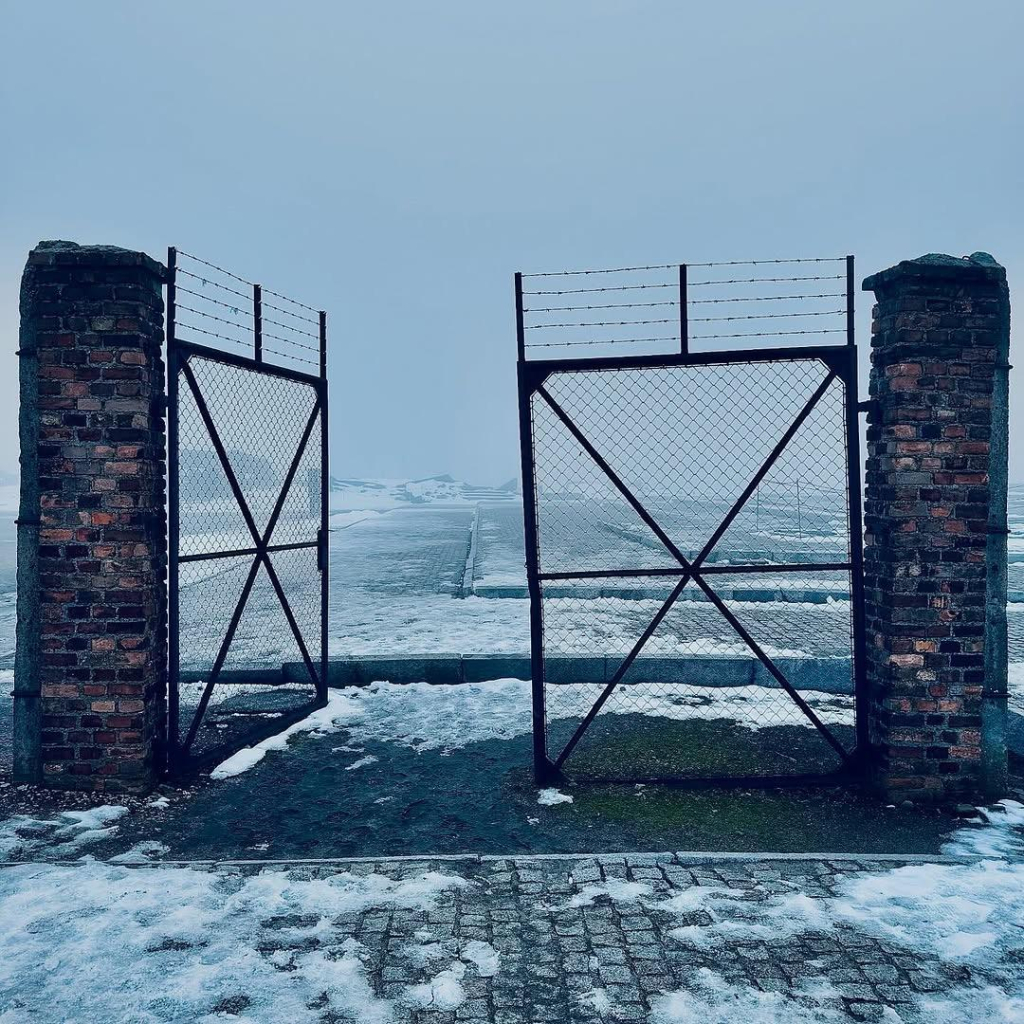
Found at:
[827, 675]
[636, 859]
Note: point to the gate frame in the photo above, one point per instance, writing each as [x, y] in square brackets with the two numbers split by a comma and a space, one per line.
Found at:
[178, 758]
[841, 361]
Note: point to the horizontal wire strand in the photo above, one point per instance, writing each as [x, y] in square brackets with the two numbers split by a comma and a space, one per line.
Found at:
[764, 316]
[242, 280]
[601, 323]
[216, 302]
[245, 343]
[670, 266]
[607, 288]
[607, 305]
[214, 284]
[600, 341]
[289, 341]
[765, 334]
[760, 280]
[288, 312]
[288, 327]
[213, 266]
[612, 270]
[211, 316]
[294, 302]
[288, 355]
[768, 298]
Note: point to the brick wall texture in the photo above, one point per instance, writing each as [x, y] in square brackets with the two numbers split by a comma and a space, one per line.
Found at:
[93, 319]
[940, 326]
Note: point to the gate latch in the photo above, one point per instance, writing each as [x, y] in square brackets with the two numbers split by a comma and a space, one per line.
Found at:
[321, 550]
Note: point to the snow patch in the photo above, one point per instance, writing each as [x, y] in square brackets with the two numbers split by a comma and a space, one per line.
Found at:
[483, 955]
[550, 797]
[443, 992]
[62, 837]
[618, 890]
[108, 942]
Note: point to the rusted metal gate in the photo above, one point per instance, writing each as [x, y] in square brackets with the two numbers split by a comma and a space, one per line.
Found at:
[692, 522]
[247, 510]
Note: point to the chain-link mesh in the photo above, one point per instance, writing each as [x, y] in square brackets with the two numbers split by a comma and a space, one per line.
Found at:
[686, 441]
[260, 419]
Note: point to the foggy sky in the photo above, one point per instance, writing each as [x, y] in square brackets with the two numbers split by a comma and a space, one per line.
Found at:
[395, 163]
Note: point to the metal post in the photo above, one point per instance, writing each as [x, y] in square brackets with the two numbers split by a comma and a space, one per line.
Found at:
[173, 523]
[520, 330]
[543, 770]
[849, 302]
[257, 321]
[853, 467]
[684, 324]
[323, 549]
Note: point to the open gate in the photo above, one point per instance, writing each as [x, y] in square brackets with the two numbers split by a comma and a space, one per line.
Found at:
[247, 511]
[692, 524]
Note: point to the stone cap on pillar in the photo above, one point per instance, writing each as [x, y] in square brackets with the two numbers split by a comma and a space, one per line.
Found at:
[58, 252]
[979, 266]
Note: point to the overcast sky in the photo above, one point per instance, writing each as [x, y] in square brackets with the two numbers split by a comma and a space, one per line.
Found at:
[395, 163]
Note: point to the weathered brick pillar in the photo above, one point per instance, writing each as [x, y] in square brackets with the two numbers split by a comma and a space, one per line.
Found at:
[935, 527]
[91, 645]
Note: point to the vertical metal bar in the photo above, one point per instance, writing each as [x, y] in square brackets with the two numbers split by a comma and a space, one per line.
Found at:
[850, 340]
[323, 547]
[542, 767]
[520, 330]
[684, 313]
[257, 321]
[853, 466]
[173, 521]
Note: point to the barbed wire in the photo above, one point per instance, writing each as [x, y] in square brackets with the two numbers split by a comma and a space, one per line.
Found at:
[216, 302]
[288, 355]
[245, 343]
[765, 334]
[289, 341]
[294, 302]
[768, 298]
[755, 263]
[607, 288]
[241, 280]
[600, 341]
[602, 323]
[211, 316]
[763, 316]
[215, 284]
[607, 305]
[759, 280]
[612, 270]
[672, 266]
[288, 312]
[178, 325]
[288, 327]
[213, 266]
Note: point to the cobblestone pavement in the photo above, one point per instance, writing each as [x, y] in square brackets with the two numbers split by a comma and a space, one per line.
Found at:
[618, 938]
[587, 941]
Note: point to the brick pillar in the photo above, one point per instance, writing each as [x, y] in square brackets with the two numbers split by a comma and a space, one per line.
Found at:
[91, 654]
[935, 527]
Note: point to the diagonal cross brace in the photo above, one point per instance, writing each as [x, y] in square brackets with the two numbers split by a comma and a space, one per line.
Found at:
[261, 542]
[692, 569]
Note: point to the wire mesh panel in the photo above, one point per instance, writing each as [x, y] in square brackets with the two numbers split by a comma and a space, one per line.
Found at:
[247, 478]
[694, 577]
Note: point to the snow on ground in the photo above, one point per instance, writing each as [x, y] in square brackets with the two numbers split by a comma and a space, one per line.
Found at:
[428, 717]
[99, 942]
[64, 836]
[550, 797]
